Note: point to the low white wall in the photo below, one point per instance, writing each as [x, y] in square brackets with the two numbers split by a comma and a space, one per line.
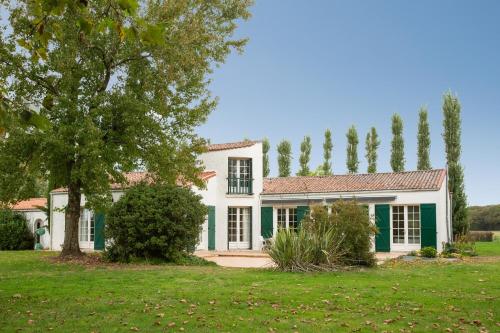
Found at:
[32, 216]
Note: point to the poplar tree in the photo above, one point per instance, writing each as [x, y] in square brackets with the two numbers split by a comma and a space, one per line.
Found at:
[424, 141]
[352, 150]
[108, 86]
[372, 144]
[327, 153]
[452, 139]
[305, 157]
[397, 144]
[284, 158]
[265, 157]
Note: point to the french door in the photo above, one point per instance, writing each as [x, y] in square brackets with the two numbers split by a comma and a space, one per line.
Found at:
[406, 229]
[239, 227]
[86, 229]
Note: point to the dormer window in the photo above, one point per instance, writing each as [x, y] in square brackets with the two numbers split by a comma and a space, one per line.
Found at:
[239, 179]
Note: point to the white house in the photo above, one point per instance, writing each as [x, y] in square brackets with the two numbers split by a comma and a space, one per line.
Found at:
[410, 209]
[36, 218]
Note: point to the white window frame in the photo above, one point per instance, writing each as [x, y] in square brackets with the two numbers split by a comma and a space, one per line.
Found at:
[243, 179]
[288, 218]
[88, 241]
[406, 245]
[243, 241]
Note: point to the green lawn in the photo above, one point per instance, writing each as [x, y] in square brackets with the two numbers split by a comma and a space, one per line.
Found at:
[489, 248]
[37, 296]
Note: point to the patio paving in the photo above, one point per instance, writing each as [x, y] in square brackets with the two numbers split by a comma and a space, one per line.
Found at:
[256, 259]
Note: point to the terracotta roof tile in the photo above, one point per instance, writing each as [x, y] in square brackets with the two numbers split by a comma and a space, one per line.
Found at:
[30, 204]
[411, 180]
[231, 145]
[136, 177]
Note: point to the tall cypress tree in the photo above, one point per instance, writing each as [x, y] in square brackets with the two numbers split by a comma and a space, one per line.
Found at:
[284, 158]
[372, 142]
[305, 157]
[397, 144]
[424, 141]
[452, 139]
[327, 153]
[352, 150]
[265, 157]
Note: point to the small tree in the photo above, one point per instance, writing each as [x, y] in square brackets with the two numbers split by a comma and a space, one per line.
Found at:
[352, 150]
[154, 221]
[327, 153]
[284, 158]
[397, 144]
[265, 158]
[452, 139]
[424, 141]
[305, 157]
[372, 144]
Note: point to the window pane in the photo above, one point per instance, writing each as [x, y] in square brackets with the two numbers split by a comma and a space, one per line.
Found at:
[231, 224]
[281, 218]
[244, 224]
[292, 218]
[398, 225]
[92, 226]
[414, 224]
[84, 226]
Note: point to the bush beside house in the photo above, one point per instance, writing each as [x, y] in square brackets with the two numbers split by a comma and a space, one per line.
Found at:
[154, 222]
[326, 241]
[14, 231]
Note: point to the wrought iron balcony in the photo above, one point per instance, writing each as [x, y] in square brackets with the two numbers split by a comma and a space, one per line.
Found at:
[239, 185]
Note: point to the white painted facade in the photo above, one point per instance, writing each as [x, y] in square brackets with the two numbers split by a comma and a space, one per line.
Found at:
[234, 211]
[218, 194]
[37, 218]
[371, 198]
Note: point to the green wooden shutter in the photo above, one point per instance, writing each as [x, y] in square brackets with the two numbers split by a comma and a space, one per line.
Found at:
[211, 227]
[301, 212]
[266, 222]
[428, 225]
[99, 231]
[382, 221]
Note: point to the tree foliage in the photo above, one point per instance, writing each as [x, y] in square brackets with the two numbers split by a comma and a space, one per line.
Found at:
[327, 153]
[424, 141]
[121, 84]
[352, 161]
[452, 139]
[484, 217]
[284, 158]
[154, 221]
[372, 143]
[305, 157]
[14, 231]
[265, 157]
[397, 144]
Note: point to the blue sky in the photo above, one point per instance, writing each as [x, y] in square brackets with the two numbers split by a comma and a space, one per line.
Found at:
[312, 65]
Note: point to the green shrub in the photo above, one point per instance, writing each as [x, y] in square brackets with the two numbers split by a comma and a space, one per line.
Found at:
[480, 236]
[14, 232]
[154, 222]
[465, 247]
[428, 252]
[326, 241]
[300, 251]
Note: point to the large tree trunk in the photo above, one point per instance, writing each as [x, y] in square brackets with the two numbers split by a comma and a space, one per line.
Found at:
[71, 245]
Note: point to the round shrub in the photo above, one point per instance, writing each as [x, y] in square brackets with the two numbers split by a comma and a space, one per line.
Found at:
[154, 222]
[428, 252]
[14, 232]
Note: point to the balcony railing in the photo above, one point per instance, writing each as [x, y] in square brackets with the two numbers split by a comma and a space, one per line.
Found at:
[239, 185]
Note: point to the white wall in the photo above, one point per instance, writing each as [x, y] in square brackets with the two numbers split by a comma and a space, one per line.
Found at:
[218, 161]
[31, 216]
[209, 198]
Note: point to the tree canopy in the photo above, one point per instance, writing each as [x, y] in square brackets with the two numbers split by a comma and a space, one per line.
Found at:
[116, 85]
